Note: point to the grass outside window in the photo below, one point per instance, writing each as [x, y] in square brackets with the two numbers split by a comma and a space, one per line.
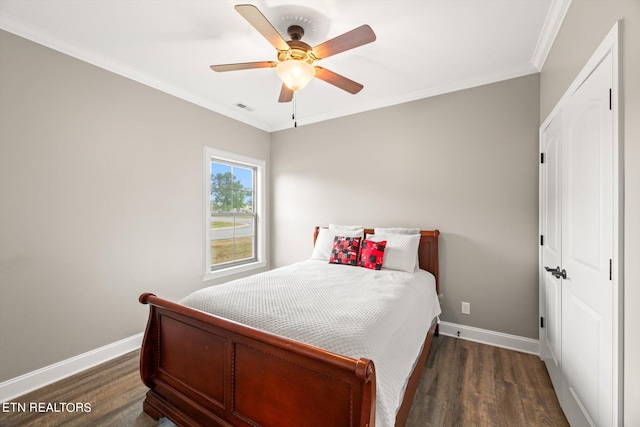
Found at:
[223, 250]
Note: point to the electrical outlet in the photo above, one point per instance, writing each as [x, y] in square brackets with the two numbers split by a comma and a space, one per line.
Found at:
[466, 308]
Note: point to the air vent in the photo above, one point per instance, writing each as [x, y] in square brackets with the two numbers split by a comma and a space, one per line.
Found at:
[243, 106]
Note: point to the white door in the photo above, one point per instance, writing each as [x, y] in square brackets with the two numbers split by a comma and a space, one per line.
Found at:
[551, 230]
[587, 252]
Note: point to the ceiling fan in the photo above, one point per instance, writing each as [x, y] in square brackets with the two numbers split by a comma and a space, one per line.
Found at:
[295, 57]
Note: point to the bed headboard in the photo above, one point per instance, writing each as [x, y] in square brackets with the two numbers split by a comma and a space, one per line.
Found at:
[427, 251]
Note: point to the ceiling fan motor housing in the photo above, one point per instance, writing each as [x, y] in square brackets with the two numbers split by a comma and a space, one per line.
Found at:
[298, 50]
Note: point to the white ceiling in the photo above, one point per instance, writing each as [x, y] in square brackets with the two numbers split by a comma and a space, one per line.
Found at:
[423, 47]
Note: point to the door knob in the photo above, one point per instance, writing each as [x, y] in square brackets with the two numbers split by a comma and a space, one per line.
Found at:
[557, 273]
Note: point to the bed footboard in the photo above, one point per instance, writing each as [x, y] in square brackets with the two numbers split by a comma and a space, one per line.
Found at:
[206, 370]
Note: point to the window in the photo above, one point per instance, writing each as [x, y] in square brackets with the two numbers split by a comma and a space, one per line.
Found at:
[234, 213]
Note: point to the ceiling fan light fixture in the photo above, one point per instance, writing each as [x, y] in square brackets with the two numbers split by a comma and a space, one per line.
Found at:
[295, 74]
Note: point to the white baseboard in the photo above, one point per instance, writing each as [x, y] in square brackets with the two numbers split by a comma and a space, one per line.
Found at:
[26, 383]
[497, 339]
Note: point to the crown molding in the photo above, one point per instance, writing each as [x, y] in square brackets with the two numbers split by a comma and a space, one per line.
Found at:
[552, 24]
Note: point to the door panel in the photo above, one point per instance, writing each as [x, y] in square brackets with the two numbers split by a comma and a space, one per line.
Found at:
[582, 349]
[584, 177]
[587, 247]
[551, 338]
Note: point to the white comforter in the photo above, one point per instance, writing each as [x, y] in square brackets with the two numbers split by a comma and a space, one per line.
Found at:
[353, 311]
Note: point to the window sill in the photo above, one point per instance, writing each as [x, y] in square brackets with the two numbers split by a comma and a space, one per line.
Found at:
[234, 270]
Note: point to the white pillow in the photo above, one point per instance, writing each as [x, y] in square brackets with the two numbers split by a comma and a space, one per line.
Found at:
[399, 230]
[396, 230]
[346, 227]
[401, 252]
[324, 241]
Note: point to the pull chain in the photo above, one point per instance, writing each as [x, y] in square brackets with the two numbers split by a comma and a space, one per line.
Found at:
[294, 113]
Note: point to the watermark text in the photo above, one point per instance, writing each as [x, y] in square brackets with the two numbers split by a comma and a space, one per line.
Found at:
[46, 407]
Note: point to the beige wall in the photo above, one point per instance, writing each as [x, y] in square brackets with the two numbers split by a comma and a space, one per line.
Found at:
[584, 28]
[465, 163]
[100, 200]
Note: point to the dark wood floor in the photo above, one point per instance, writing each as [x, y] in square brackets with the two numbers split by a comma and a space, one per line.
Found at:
[463, 384]
[471, 384]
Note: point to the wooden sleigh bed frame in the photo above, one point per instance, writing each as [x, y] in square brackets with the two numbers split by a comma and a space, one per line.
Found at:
[206, 370]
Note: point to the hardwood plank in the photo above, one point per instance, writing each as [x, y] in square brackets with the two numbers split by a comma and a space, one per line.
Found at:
[463, 383]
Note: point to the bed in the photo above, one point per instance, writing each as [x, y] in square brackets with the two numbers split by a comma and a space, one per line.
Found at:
[226, 369]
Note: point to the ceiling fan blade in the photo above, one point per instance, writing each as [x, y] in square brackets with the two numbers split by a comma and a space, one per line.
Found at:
[338, 81]
[286, 94]
[354, 38]
[243, 66]
[264, 27]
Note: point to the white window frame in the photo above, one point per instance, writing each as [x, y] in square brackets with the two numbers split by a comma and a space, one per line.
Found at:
[259, 206]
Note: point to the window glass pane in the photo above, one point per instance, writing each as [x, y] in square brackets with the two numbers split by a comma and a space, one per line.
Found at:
[237, 201]
[221, 251]
[244, 176]
[221, 187]
[222, 240]
[232, 239]
[231, 188]
[245, 226]
[247, 201]
[219, 168]
[243, 183]
[244, 232]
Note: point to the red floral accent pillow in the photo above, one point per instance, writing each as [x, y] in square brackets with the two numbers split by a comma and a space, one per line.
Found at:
[345, 250]
[372, 254]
